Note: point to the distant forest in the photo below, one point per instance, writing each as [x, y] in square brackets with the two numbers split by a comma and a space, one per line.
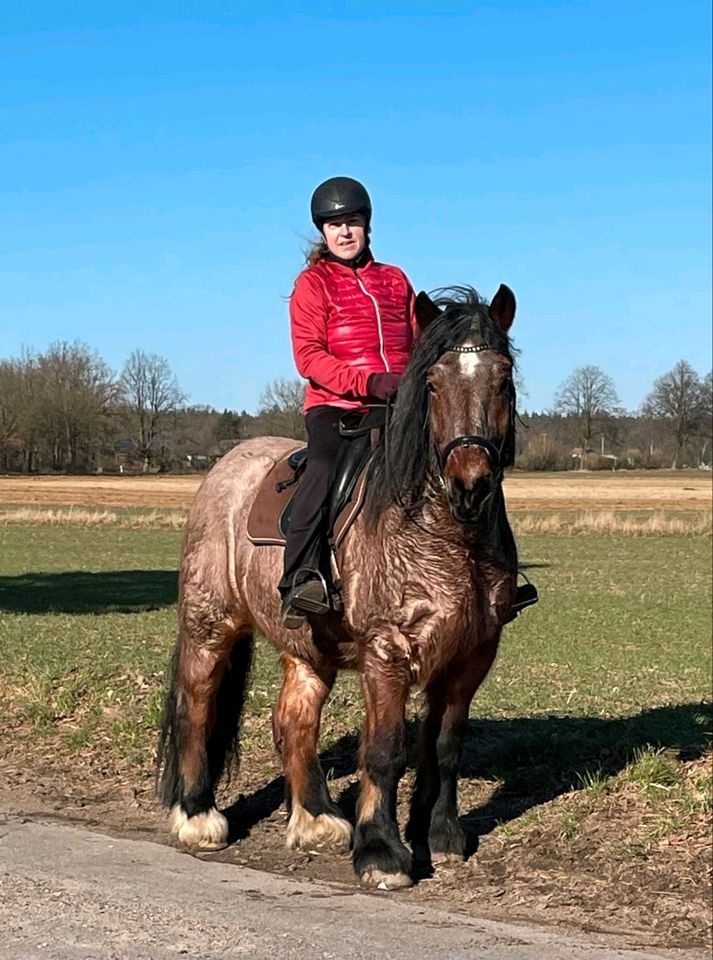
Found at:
[64, 411]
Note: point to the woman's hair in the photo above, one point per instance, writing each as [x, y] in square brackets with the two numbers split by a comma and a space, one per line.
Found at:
[316, 251]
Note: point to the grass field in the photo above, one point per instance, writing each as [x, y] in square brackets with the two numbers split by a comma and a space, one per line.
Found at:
[587, 775]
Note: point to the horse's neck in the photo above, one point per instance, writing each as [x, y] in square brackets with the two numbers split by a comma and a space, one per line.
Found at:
[432, 535]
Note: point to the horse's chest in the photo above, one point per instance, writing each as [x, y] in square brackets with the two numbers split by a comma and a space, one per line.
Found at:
[423, 631]
[423, 612]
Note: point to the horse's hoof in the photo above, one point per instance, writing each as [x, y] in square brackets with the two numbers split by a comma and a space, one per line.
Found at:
[446, 840]
[326, 829]
[373, 877]
[204, 831]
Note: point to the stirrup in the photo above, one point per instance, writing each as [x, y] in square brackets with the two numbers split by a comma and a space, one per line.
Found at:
[311, 595]
[525, 596]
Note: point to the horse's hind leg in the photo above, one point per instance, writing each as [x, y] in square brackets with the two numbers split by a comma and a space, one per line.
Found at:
[434, 806]
[201, 722]
[314, 817]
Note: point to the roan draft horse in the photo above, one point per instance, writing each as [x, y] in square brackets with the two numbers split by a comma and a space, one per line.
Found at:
[428, 570]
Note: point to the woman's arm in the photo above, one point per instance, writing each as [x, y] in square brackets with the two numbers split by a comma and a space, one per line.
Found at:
[308, 325]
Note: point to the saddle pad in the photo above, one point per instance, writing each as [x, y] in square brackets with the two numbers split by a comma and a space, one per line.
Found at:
[263, 521]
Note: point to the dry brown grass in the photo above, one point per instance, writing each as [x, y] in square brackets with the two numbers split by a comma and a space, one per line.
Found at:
[699, 523]
[91, 518]
[606, 521]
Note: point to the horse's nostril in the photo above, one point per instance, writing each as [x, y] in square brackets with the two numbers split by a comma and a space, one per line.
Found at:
[481, 488]
[468, 499]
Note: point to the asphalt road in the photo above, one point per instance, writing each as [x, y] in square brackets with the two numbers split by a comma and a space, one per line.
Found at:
[69, 894]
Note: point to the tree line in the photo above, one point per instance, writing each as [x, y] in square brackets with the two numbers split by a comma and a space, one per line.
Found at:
[64, 410]
[587, 427]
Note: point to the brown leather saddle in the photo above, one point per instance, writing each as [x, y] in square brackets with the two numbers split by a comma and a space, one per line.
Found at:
[269, 518]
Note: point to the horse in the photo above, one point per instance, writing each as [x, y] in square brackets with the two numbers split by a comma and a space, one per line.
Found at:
[429, 575]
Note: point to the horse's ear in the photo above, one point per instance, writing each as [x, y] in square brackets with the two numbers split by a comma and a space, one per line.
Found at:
[502, 308]
[426, 311]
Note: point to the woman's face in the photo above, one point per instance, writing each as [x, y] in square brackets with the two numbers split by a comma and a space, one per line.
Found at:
[345, 236]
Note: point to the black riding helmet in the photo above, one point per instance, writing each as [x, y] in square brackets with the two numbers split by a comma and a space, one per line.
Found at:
[339, 196]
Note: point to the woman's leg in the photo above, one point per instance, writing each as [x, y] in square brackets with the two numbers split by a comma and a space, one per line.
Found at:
[306, 531]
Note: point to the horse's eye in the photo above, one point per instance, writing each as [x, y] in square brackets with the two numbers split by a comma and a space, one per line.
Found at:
[430, 386]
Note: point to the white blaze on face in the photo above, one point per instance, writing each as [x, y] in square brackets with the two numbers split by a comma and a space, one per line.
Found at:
[468, 361]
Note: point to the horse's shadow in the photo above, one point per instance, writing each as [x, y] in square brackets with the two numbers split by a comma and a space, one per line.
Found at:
[533, 759]
[81, 591]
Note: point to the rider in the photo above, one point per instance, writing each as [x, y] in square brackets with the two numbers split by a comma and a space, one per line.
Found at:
[352, 326]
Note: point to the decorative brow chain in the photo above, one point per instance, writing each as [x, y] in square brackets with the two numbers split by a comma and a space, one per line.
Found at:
[478, 349]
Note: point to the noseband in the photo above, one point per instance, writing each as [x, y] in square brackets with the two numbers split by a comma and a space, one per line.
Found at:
[495, 454]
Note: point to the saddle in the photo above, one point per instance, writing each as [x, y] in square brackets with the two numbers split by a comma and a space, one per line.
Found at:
[269, 518]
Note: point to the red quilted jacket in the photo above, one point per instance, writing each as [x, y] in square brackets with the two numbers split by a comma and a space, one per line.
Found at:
[347, 324]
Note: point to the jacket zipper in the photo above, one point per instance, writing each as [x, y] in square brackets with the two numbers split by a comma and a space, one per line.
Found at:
[378, 321]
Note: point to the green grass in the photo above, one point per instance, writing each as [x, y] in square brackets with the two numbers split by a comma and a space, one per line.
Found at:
[623, 624]
[596, 690]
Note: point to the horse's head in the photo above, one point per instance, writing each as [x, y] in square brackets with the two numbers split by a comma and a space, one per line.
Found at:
[453, 423]
[471, 399]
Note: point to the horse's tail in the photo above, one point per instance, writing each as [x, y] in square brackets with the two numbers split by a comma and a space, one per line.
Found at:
[221, 751]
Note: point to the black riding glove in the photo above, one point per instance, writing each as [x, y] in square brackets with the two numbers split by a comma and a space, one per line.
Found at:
[382, 385]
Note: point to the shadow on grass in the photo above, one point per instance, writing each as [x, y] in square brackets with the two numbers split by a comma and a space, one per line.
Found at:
[114, 591]
[536, 759]
[539, 758]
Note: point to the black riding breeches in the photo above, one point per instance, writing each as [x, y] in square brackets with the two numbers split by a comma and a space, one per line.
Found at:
[306, 546]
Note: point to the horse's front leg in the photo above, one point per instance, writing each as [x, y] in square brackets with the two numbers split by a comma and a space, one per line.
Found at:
[314, 817]
[380, 858]
[434, 806]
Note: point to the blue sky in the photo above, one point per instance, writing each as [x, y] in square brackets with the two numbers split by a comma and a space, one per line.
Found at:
[157, 159]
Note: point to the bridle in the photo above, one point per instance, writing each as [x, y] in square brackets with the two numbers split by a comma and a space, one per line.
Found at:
[495, 453]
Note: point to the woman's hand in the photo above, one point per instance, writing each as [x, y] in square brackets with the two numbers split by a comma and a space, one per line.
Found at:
[382, 385]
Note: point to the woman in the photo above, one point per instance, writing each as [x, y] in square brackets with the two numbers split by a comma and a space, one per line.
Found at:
[352, 328]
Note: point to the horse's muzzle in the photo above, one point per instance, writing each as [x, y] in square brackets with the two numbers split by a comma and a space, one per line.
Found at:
[470, 502]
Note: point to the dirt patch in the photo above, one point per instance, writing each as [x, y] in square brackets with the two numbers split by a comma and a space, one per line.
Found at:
[535, 877]
[568, 491]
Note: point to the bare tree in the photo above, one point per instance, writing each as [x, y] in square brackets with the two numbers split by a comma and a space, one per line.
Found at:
[707, 395]
[11, 408]
[30, 421]
[706, 419]
[151, 393]
[280, 410]
[19, 412]
[588, 395]
[71, 396]
[679, 399]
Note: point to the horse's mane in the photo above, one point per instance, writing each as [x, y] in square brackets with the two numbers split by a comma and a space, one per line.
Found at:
[403, 456]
